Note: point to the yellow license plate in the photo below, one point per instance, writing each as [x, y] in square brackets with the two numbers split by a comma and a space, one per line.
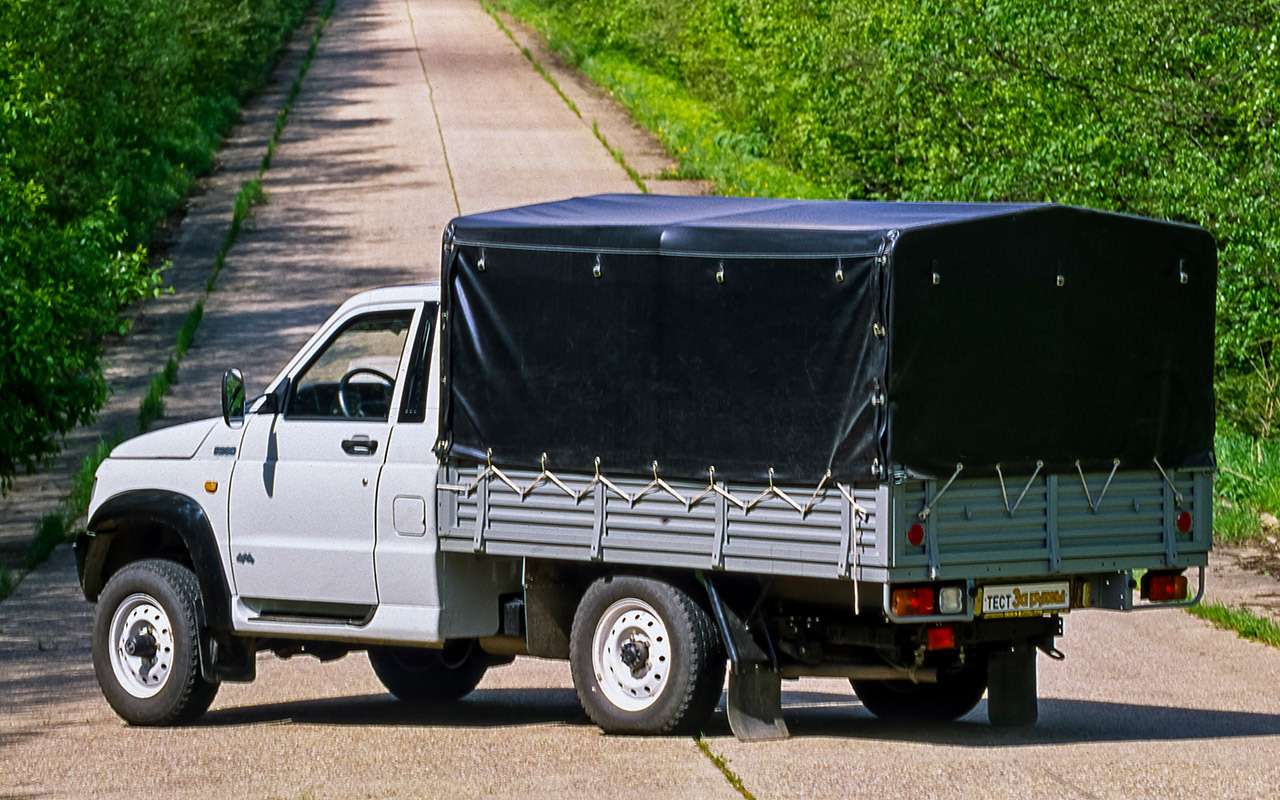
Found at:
[1025, 599]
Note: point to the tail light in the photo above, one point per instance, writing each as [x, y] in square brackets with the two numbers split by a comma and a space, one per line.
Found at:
[942, 637]
[1163, 587]
[1183, 522]
[912, 601]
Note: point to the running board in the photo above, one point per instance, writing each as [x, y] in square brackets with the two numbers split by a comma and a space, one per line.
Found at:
[268, 610]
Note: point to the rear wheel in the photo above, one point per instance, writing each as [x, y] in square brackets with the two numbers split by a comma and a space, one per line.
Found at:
[420, 675]
[146, 644]
[954, 695]
[645, 657]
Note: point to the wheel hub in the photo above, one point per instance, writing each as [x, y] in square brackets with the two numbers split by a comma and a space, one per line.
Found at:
[631, 654]
[142, 645]
[634, 653]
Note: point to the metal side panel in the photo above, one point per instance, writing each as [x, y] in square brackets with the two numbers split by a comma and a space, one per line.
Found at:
[682, 524]
[1063, 524]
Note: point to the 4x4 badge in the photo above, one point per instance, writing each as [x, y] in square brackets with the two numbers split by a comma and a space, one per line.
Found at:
[244, 558]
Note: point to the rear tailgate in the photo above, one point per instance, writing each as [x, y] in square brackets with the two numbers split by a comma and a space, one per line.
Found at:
[1058, 528]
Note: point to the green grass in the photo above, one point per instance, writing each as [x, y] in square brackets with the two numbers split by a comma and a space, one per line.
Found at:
[1246, 624]
[619, 157]
[1248, 483]
[187, 333]
[77, 501]
[721, 764]
[8, 582]
[705, 147]
[51, 531]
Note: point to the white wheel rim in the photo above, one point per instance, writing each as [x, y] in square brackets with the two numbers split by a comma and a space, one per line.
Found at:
[631, 654]
[142, 619]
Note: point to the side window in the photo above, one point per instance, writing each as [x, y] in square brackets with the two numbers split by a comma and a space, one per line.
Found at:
[413, 408]
[354, 376]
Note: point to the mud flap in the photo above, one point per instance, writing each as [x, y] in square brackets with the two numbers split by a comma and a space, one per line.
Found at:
[1011, 686]
[754, 704]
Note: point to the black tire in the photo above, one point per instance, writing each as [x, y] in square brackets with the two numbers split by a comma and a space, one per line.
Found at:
[954, 695]
[694, 676]
[185, 694]
[426, 676]
[1011, 699]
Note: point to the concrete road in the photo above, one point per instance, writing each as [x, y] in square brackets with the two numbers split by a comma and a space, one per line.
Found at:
[413, 111]
[1145, 705]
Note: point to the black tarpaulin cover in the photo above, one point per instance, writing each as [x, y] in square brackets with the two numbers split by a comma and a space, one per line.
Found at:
[802, 336]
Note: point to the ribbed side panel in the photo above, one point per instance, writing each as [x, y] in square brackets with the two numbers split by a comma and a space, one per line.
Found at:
[1054, 528]
[828, 540]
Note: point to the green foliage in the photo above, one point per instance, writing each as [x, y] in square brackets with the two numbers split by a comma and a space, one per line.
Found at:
[1165, 109]
[77, 502]
[8, 582]
[108, 110]
[187, 333]
[1244, 622]
[51, 531]
[251, 194]
[1248, 484]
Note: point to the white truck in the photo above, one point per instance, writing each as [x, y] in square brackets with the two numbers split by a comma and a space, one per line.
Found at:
[894, 443]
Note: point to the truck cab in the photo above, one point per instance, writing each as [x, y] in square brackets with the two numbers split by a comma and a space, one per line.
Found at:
[303, 516]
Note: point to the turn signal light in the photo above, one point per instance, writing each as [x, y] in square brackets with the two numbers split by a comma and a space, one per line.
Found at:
[912, 601]
[940, 638]
[1163, 587]
[915, 535]
[1183, 522]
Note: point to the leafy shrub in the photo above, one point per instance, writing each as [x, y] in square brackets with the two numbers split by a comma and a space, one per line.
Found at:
[108, 110]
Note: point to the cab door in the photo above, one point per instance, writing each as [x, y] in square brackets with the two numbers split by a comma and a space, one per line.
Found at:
[304, 489]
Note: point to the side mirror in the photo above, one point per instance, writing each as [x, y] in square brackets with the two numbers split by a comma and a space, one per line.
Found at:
[233, 399]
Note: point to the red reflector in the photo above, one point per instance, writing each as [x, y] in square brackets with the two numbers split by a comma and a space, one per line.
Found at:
[1183, 522]
[913, 601]
[943, 638]
[915, 535]
[1162, 587]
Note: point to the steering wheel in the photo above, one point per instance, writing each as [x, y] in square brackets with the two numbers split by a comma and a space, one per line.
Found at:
[346, 381]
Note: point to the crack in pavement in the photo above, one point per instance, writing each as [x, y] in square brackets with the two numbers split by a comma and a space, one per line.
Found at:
[435, 112]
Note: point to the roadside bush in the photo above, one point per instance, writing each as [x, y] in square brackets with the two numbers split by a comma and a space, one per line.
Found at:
[108, 111]
[1166, 109]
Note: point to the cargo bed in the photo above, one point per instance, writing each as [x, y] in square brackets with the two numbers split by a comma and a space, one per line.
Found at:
[1056, 529]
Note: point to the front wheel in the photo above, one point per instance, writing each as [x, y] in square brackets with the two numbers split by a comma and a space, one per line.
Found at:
[146, 645]
[645, 657]
[955, 694]
[422, 676]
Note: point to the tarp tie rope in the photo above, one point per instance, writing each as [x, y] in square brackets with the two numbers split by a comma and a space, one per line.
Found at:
[928, 507]
[1177, 495]
[658, 485]
[1115, 465]
[1005, 494]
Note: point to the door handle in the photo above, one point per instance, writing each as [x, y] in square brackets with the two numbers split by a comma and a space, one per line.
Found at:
[360, 445]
